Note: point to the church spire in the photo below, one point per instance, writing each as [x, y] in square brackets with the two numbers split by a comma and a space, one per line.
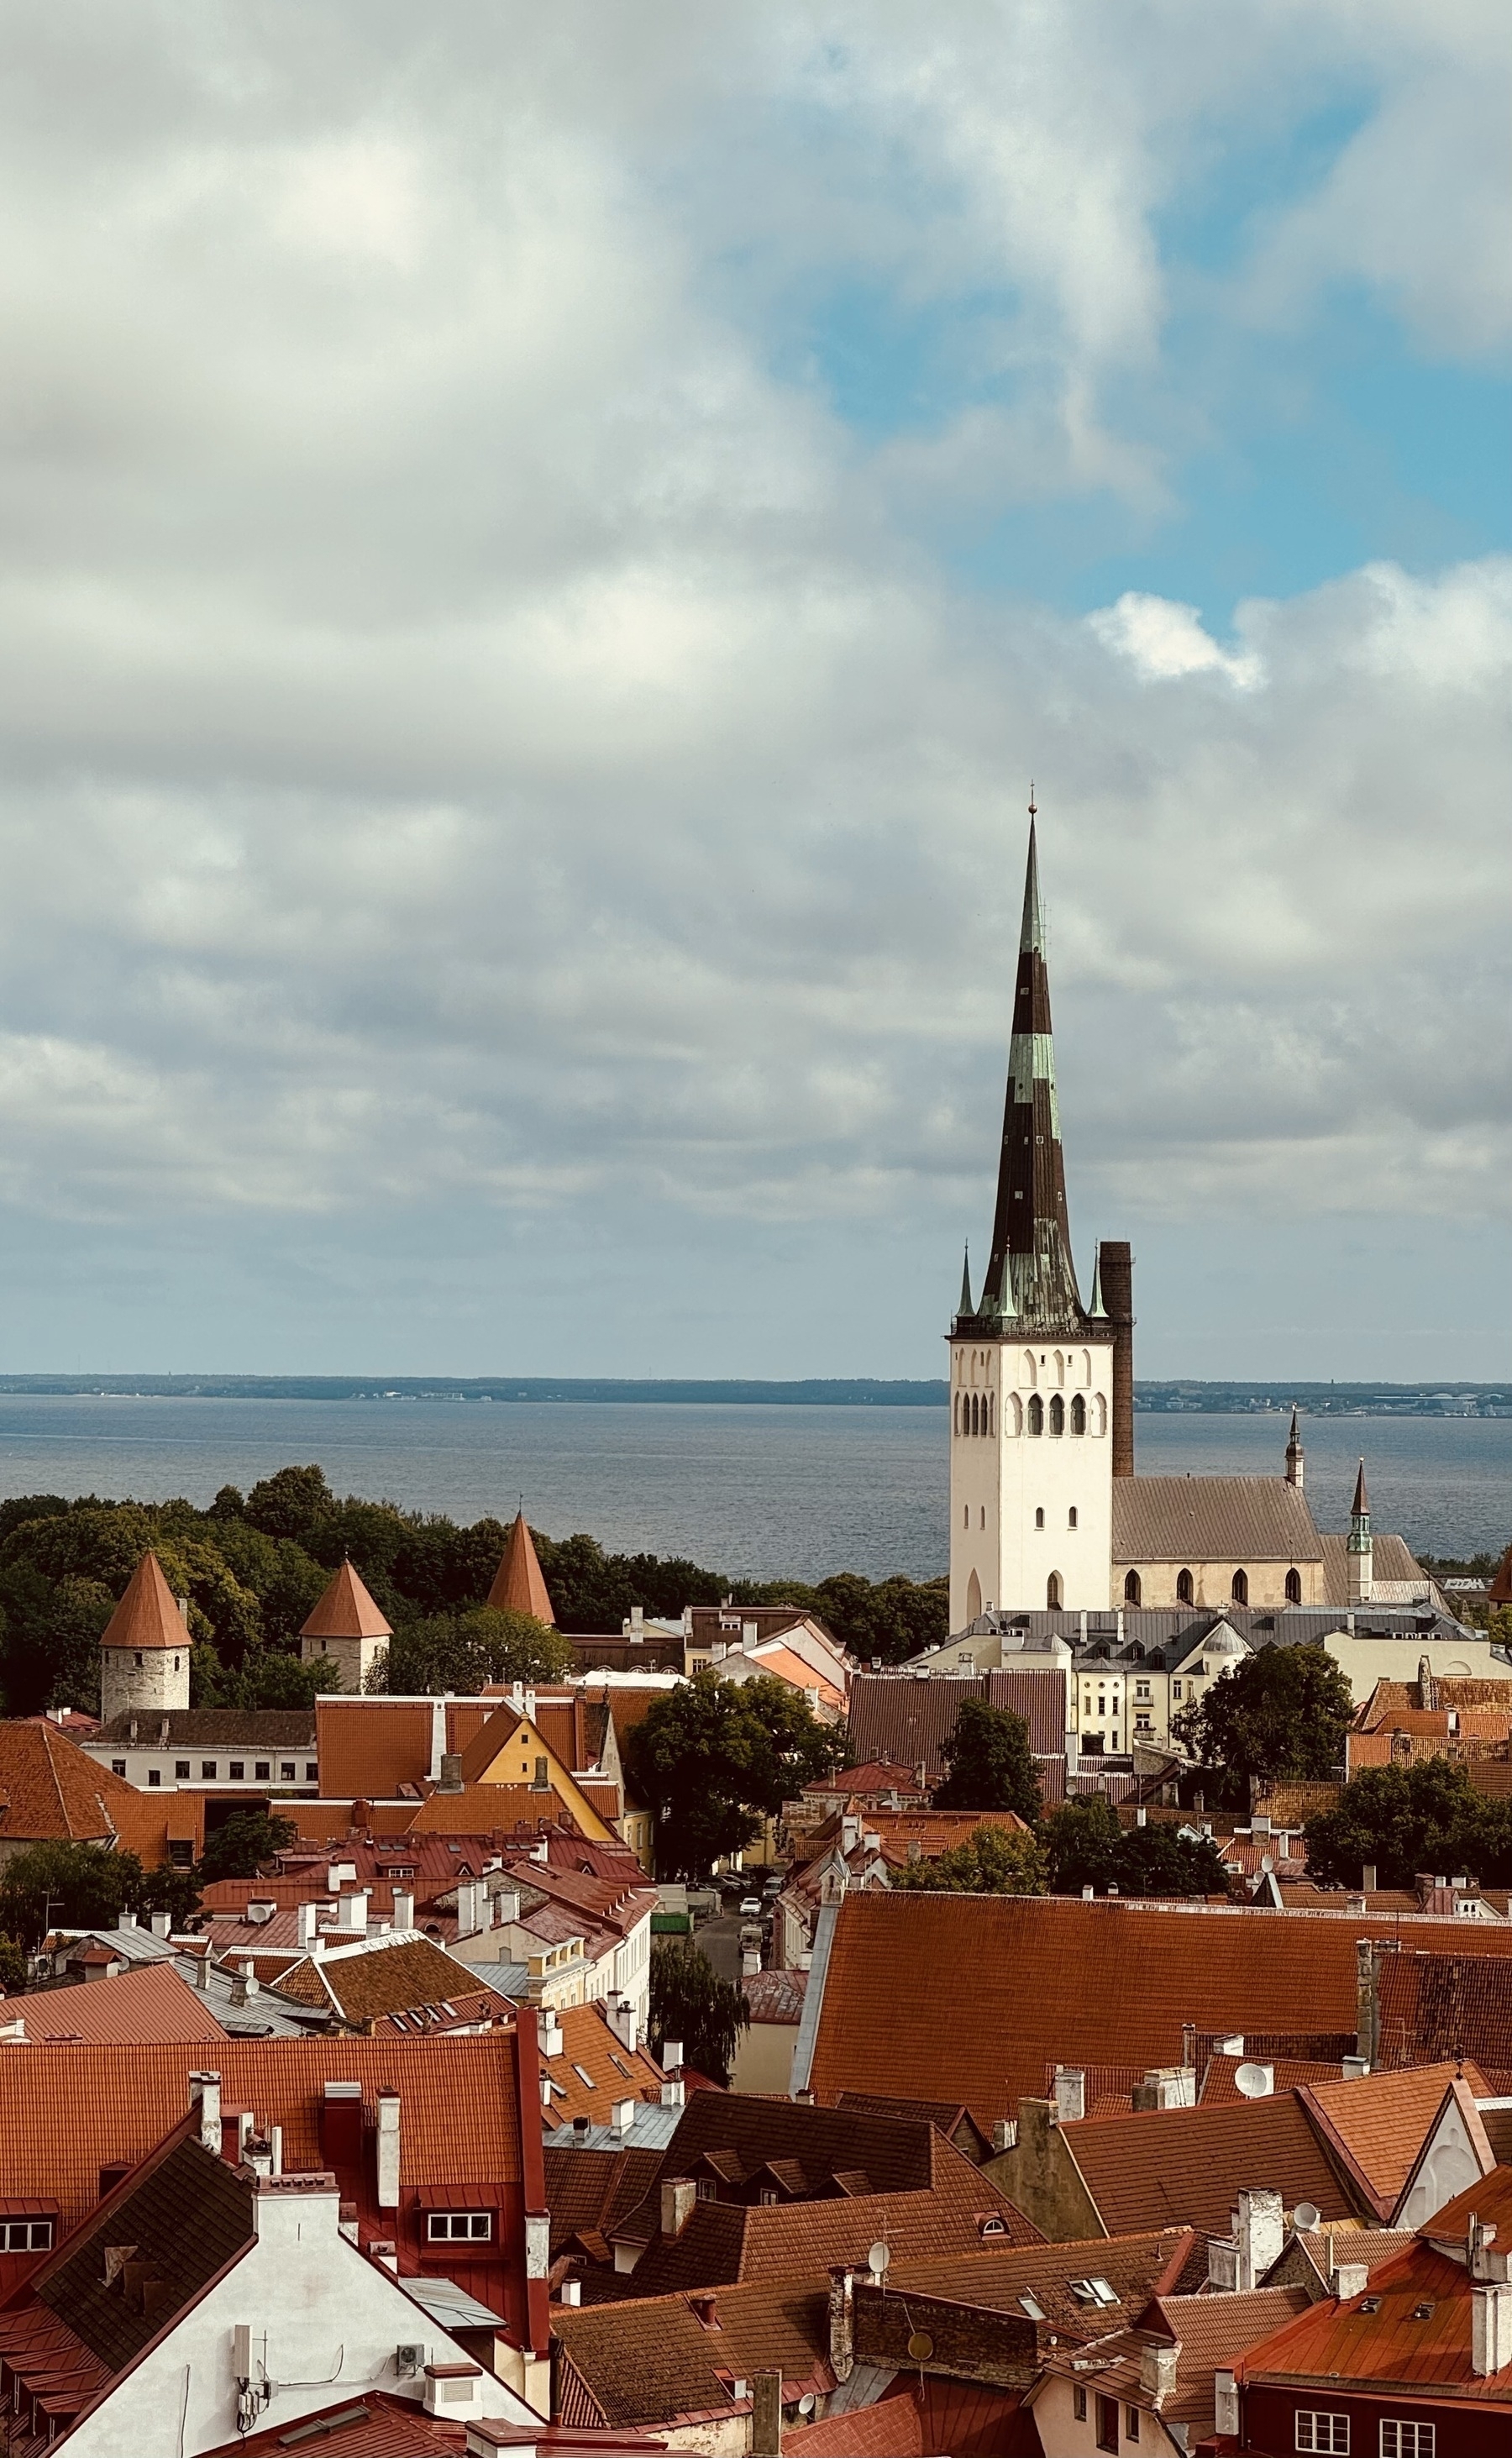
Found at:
[1360, 1547]
[1293, 1456]
[965, 1306]
[1030, 1273]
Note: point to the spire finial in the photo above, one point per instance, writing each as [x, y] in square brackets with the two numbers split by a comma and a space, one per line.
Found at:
[1033, 808]
[966, 1306]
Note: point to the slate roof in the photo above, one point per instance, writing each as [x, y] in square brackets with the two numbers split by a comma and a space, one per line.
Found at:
[1211, 1519]
[1392, 1566]
[186, 2216]
[344, 1610]
[589, 2191]
[1055, 1980]
[218, 1728]
[148, 1613]
[1182, 2167]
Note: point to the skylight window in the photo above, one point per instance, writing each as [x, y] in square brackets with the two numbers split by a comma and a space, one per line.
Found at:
[582, 2075]
[1035, 2308]
[1092, 2291]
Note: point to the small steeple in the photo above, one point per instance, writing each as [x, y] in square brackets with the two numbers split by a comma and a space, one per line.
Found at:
[1359, 1507]
[1361, 1550]
[519, 1586]
[966, 1284]
[1097, 1311]
[1295, 1465]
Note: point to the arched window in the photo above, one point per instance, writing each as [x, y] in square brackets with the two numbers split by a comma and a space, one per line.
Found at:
[1036, 1414]
[1183, 1587]
[965, 1515]
[958, 1413]
[992, 1413]
[1057, 1415]
[1027, 1373]
[1039, 1519]
[1133, 1591]
[1070, 1517]
[1294, 1587]
[1239, 1590]
[1053, 1592]
[1101, 1426]
[972, 1421]
[1078, 1416]
[1015, 1414]
[973, 1598]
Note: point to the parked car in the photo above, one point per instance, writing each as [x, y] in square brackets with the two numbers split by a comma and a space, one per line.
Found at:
[751, 1908]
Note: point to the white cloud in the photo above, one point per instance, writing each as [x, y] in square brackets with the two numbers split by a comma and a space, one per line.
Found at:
[1163, 640]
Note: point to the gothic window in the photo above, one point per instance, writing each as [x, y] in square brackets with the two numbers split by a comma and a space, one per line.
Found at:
[992, 1413]
[1027, 1374]
[957, 1425]
[1053, 1591]
[1070, 1517]
[1241, 1588]
[1015, 1414]
[971, 1420]
[1101, 1426]
[1057, 1415]
[1036, 1414]
[1183, 1587]
[1294, 1587]
[1078, 1416]
[1039, 1519]
[1131, 1588]
[1059, 1366]
[965, 1515]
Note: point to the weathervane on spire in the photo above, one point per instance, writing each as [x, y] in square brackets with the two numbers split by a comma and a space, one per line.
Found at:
[1033, 812]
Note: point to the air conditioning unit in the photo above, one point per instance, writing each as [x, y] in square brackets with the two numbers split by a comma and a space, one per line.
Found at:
[409, 2360]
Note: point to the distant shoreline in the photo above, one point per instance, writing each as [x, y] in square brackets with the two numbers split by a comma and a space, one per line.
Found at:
[1454, 1400]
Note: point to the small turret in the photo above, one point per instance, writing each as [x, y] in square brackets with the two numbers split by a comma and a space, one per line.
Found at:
[1293, 1456]
[1361, 1548]
[145, 1648]
[518, 1584]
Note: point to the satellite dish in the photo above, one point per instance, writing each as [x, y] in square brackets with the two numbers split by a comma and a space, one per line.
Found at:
[1305, 2217]
[807, 2403]
[921, 2347]
[1254, 2082]
[878, 2259]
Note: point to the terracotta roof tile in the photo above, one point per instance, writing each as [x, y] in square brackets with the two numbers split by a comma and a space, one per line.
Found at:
[1184, 2166]
[150, 2003]
[592, 2047]
[377, 2425]
[379, 1977]
[1443, 2005]
[880, 1776]
[590, 2192]
[648, 2360]
[518, 1584]
[50, 1791]
[345, 1610]
[1051, 1979]
[918, 2420]
[897, 1716]
[1041, 1700]
[368, 1747]
[1380, 2121]
[148, 1613]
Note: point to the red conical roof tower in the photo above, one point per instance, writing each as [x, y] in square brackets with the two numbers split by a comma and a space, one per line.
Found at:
[346, 1610]
[519, 1586]
[148, 1613]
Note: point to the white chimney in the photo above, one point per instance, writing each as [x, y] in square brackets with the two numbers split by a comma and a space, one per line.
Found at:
[1071, 2094]
[1350, 2279]
[571, 2291]
[1226, 2403]
[309, 1924]
[622, 2117]
[162, 1924]
[621, 2014]
[549, 2027]
[404, 1908]
[1157, 2372]
[1490, 2330]
[388, 2150]
[671, 2055]
[1260, 2233]
[353, 1913]
[204, 2089]
[471, 1900]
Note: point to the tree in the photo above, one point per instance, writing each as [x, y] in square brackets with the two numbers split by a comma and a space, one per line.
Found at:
[1411, 1819]
[991, 1764]
[465, 1652]
[66, 1886]
[690, 2002]
[289, 1501]
[886, 1618]
[992, 1860]
[12, 1968]
[1282, 1713]
[244, 1845]
[712, 1757]
[1086, 1846]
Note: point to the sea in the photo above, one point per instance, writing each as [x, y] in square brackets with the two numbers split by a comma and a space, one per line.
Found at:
[754, 1492]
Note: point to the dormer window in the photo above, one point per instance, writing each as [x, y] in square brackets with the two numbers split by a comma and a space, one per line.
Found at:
[459, 2227]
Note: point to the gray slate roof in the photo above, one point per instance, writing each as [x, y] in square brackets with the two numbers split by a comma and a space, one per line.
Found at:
[1235, 1519]
[215, 1728]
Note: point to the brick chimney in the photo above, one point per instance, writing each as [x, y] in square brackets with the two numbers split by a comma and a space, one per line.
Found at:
[842, 2321]
[1115, 1264]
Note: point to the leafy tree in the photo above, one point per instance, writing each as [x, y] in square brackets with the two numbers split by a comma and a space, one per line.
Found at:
[992, 1860]
[66, 1886]
[593, 1590]
[886, 1618]
[461, 1653]
[690, 2002]
[1409, 1819]
[290, 1501]
[244, 1845]
[1086, 1846]
[1281, 1713]
[991, 1763]
[267, 1677]
[12, 1968]
[711, 1757]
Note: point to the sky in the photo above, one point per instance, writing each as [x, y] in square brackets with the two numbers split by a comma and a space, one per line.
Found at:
[542, 551]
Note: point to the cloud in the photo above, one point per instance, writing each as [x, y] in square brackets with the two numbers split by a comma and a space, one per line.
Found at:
[1163, 640]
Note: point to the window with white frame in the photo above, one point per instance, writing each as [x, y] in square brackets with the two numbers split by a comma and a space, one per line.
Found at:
[1403, 2438]
[26, 2236]
[459, 2227]
[1319, 2430]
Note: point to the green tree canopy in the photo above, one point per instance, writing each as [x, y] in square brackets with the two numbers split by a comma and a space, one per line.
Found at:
[463, 1652]
[1410, 1820]
[992, 1860]
[887, 1619]
[711, 1757]
[1086, 1846]
[248, 1842]
[12, 1968]
[991, 1763]
[67, 1885]
[1281, 1713]
[690, 2002]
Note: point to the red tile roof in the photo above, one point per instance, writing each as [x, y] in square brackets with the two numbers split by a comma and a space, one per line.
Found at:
[1441, 2004]
[614, 2072]
[919, 2419]
[1378, 2124]
[50, 1791]
[371, 2424]
[1184, 2166]
[518, 1584]
[896, 1715]
[368, 1747]
[1041, 1700]
[1049, 1980]
[346, 1610]
[880, 1776]
[1385, 2336]
[148, 1613]
[152, 2003]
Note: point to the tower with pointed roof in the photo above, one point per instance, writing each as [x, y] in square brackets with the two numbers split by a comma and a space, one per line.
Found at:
[1361, 1545]
[518, 1583]
[1295, 1465]
[347, 1627]
[1032, 1368]
[144, 1651]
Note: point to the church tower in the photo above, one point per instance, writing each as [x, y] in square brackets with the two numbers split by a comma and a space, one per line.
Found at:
[1031, 1371]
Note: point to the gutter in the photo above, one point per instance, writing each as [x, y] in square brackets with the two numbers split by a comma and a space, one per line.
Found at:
[814, 1997]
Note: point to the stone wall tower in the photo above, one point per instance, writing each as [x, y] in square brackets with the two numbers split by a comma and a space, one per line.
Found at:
[144, 1652]
[1361, 1545]
[1031, 1371]
[347, 1627]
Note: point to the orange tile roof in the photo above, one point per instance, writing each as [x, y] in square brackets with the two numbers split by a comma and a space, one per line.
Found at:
[502, 1809]
[647, 2360]
[345, 1610]
[1379, 2123]
[368, 1747]
[916, 2420]
[376, 2426]
[150, 2003]
[1395, 2342]
[1183, 2166]
[148, 1613]
[614, 2072]
[50, 1791]
[1050, 1979]
[518, 1585]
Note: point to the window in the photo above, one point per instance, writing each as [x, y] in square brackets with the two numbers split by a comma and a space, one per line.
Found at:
[1053, 1593]
[1036, 1414]
[1132, 2423]
[459, 2227]
[1039, 1522]
[1175, 1689]
[182, 1768]
[237, 1771]
[26, 2236]
[1070, 1517]
[155, 1775]
[1294, 1587]
[1239, 1589]
[1131, 1588]
[207, 1770]
[708, 2191]
[1141, 1689]
[262, 1770]
[1079, 2402]
[1057, 1415]
[1322, 2431]
[1033, 2307]
[1183, 1587]
[1106, 2422]
[1078, 1416]
[1406, 2440]
[138, 1659]
[769, 2195]
[117, 1767]
[965, 1515]
[312, 1773]
[286, 1770]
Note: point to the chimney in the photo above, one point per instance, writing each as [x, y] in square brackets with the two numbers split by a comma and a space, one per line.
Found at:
[1167, 2086]
[850, 1832]
[275, 2149]
[388, 2150]
[679, 2199]
[352, 1913]
[549, 2029]
[1071, 2094]
[1115, 1267]
[582, 2128]
[1367, 2009]
[1490, 2330]
[571, 2291]
[204, 2093]
[1259, 2234]
[766, 2415]
[1367, 1879]
[341, 2125]
[1157, 2370]
[622, 2117]
[674, 2093]
[1354, 2069]
[1349, 2279]
[309, 1925]
[843, 2322]
[670, 2056]
[621, 2014]
[1479, 2260]
[706, 2309]
[1226, 2403]
[404, 1908]
[472, 1897]
[450, 1779]
[162, 1924]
